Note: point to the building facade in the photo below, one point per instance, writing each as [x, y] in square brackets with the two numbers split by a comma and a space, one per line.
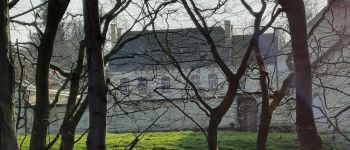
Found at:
[152, 93]
[148, 90]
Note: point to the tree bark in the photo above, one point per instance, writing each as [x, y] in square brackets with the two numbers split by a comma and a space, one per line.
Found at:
[307, 133]
[56, 9]
[97, 89]
[67, 138]
[213, 132]
[71, 118]
[8, 140]
[69, 125]
[263, 132]
[219, 112]
[265, 117]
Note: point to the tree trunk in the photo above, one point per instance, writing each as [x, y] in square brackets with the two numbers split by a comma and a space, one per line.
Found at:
[265, 117]
[56, 9]
[213, 133]
[8, 140]
[68, 126]
[97, 89]
[217, 113]
[67, 138]
[41, 109]
[263, 132]
[307, 133]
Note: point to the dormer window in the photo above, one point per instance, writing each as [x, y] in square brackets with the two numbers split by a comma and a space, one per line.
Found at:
[124, 85]
[196, 80]
[165, 83]
[212, 81]
[242, 83]
[142, 85]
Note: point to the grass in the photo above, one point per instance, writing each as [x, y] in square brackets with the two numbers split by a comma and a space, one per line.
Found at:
[188, 140]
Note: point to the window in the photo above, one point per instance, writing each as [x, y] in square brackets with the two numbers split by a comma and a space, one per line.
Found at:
[165, 83]
[142, 85]
[196, 80]
[242, 83]
[212, 81]
[124, 84]
[182, 50]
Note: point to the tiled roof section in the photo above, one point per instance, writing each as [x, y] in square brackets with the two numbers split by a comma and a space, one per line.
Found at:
[188, 46]
[268, 45]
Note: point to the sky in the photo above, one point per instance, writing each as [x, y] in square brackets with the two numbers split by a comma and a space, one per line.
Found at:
[234, 11]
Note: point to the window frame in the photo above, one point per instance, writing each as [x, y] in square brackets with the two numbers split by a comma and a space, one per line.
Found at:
[142, 85]
[124, 84]
[196, 80]
[165, 83]
[213, 81]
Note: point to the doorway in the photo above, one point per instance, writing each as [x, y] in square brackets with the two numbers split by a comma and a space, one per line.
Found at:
[247, 113]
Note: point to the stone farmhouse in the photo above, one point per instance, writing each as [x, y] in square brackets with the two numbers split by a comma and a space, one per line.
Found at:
[330, 56]
[147, 92]
[153, 96]
[329, 41]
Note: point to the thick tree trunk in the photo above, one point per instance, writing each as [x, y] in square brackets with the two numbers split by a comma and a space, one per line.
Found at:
[41, 110]
[265, 117]
[307, 133]
[8, 139]
[213, 133]
[263, 132]
[97, 89]
[67, 138]
[68, 125]
[217, 113]
[56, 9]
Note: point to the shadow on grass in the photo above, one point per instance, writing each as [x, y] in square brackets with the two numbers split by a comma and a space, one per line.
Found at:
[188, 140]
[239, 141]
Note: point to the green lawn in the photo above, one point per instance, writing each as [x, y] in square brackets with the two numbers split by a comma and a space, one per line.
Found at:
[185, 140]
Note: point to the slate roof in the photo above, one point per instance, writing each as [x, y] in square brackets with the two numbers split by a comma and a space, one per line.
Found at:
[186, 45]
[268, 44]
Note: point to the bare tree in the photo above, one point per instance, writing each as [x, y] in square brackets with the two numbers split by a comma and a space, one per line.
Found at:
[73, 112]
[97, 89]
[218, 112]
[8, 139]
[215, 114]
[306, 129]
[283, 93]
[55, 11]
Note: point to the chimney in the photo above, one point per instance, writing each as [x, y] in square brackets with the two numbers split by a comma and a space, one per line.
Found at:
[119, 32]
[228, 39]
[227, 28]
[113, 33]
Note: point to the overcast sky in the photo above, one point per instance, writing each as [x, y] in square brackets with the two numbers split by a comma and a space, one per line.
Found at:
[234, 11]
